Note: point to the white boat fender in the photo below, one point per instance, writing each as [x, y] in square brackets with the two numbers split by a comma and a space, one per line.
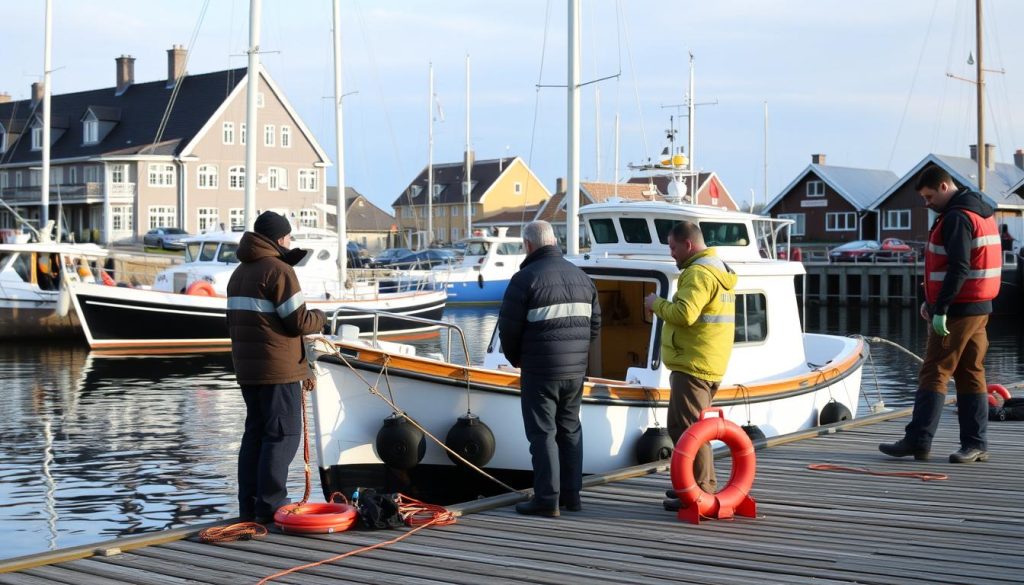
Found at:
[63, 301]
[653, 445]
[471, 439]
[400, 445]
[834, 412]
[480, 280]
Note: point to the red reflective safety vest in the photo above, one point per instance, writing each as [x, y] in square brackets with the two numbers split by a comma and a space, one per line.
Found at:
[982, 282]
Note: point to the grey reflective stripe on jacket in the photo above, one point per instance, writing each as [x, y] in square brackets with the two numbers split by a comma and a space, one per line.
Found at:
[264, 306]
[713, 262]
[559, 311]
[987, 273]
[979, 242]
[718, 318]
[726, 297]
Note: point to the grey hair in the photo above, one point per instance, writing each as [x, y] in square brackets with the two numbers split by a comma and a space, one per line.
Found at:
[539, 233]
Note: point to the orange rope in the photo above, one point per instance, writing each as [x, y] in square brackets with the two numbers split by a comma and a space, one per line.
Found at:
[232, 532]
[922, 475]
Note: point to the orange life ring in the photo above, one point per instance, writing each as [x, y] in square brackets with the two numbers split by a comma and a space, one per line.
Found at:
[997, 391]
[310, 518]
[106, 278]
[734, 498]
[201, 288]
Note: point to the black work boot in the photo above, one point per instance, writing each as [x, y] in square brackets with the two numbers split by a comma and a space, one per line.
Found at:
[917, 439]
[972, 413]
[534, 508]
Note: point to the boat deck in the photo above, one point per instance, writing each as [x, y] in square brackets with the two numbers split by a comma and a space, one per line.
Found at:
[811, 527]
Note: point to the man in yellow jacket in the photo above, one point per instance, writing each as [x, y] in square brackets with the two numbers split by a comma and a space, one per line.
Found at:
[696, 340]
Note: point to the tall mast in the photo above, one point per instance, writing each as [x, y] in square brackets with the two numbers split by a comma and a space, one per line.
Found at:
[469, 162]
[765, 159]
[339, 137]
[430, 158]
[982, 163]
[251, 133]
[44, 199]
[690, 135]
[572, 192]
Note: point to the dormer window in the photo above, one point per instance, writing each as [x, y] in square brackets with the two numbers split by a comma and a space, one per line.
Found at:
[437, 190]
[98, 122]
[415, 191]
[3, 139]
[90, 131]
[37, 137]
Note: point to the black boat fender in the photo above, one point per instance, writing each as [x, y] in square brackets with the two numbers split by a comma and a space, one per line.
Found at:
[471, 439]
[399, 443]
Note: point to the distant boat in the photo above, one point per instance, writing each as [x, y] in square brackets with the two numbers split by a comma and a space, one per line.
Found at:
[487, 266]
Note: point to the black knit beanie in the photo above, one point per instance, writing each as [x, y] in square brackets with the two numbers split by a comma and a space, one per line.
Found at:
[272, 225]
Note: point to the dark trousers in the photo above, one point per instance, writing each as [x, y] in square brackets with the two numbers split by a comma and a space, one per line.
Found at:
[551, 417]
[689, 397]
[273, 428]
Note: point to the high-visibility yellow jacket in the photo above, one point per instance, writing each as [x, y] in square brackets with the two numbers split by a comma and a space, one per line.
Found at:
[700, 321]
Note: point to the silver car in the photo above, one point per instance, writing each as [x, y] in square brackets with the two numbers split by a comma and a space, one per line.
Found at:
[165, 238]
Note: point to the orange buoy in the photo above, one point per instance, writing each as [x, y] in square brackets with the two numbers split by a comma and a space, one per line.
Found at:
[106, 278]
[734, 498]
[997, 392]
[310, 518]
[201, 288]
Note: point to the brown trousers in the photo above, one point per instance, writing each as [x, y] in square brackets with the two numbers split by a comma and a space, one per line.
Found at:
[959, 355]
[689, 396]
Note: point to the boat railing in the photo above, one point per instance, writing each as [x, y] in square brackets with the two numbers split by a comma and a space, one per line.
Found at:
[449, 328]
[774, 244]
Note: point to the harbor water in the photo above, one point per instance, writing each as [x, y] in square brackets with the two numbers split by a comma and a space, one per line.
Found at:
[93, 447]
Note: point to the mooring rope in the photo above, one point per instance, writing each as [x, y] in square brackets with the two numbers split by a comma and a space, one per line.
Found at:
[922, 475]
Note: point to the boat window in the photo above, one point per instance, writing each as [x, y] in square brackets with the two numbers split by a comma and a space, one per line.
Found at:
[4, 258]
[23, 266]
[192, 251]
[209, 252]
[603, 231]
[663, 227]
[751, 318]
[228, 253]
[476, 248]
[323, 255]
[635, 230]
[510, 248]
[724, 234]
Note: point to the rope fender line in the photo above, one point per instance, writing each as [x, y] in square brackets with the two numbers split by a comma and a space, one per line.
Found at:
[922, 475]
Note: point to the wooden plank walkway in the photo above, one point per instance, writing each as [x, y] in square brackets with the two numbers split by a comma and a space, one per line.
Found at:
[812, 527]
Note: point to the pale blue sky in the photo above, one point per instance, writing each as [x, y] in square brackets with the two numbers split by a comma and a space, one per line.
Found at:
[863, 82]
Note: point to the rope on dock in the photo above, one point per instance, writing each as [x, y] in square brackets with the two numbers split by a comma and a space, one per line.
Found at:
[233, 532]
[922, 475]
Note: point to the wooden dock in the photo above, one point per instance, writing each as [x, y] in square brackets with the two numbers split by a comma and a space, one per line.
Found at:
[811, 527]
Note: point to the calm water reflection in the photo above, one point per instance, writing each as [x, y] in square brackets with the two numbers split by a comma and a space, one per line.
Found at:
[93, 447]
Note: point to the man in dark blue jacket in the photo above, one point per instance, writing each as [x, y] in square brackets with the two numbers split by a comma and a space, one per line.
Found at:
[549, 317]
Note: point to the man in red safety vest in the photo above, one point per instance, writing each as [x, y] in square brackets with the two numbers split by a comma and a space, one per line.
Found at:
[962, 270]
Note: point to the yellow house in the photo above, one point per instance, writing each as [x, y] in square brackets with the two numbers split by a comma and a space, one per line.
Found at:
[496, 185]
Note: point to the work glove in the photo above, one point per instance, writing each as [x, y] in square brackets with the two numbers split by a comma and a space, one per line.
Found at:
[939, 325]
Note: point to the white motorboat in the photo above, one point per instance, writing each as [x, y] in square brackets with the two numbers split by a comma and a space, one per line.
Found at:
[779, 379]
[486, 268]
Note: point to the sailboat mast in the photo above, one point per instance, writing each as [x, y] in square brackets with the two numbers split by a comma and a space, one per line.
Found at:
[251, 134]
[430, 158]
[339, 137]
[469, 163]
[572, 192]
[690, 134]
[982, 163]
[44, 198]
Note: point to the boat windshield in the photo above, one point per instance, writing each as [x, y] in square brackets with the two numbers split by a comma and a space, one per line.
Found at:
[208, 251]
[192, 251]
[228, 254]
[477, 248]
[5, 257]
[510, 248]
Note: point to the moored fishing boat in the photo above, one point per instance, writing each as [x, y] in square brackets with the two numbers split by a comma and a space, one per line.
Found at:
[486, 268]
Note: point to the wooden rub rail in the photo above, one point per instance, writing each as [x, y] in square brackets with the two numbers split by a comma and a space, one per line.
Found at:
[813, 527]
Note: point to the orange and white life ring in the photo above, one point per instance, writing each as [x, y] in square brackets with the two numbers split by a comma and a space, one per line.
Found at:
[308, 518]
[734, 498]
[997, 394]
[201, 288]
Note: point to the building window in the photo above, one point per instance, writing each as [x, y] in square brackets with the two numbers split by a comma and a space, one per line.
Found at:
[437, 190]
[455, 211]
[277, 179]
[208, 218]
[121, 217]
[751, 318]
[17, 179]
[439, 212]
[518, 188]
[236, 178]
[236, 215]
[260, 100]
[309, 218]
[241, 133]
[91, 131]
[309, 180]
[3, 140]
[37, 138]
[3, 179]
[286, 137]
[118, 173]
[161, 216]
[815, 188]
[161, 175]
[228, 133]
[841, 221]
[92, 173]
[896, 219]
[35, 178]
[207, 177]
[72, 175]
[56, 175]
[407, 212]
[799, 226]
[455, 234]
[268, 135]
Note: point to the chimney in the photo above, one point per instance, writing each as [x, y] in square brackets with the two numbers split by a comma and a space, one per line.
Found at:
[990, 155]
[175, 64]
[6, 97]
[817, 159]
[37, 92]
[125, 73]
[1018, 156]
[560, 185]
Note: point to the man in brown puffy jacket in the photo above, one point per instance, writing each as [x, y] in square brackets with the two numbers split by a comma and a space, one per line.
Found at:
[267, 318]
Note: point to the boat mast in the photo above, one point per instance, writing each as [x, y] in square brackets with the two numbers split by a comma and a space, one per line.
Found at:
[44, 199]
[691, 111]
[469, 162]
[430, 158]
[572, 192]
[765, 160]
[339, 150]
[982, 163]
[252, 77]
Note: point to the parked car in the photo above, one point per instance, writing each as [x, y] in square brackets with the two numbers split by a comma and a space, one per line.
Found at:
[896, 249]
[424, 260]
[165, 238]
[856, 251]
[389, 255]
